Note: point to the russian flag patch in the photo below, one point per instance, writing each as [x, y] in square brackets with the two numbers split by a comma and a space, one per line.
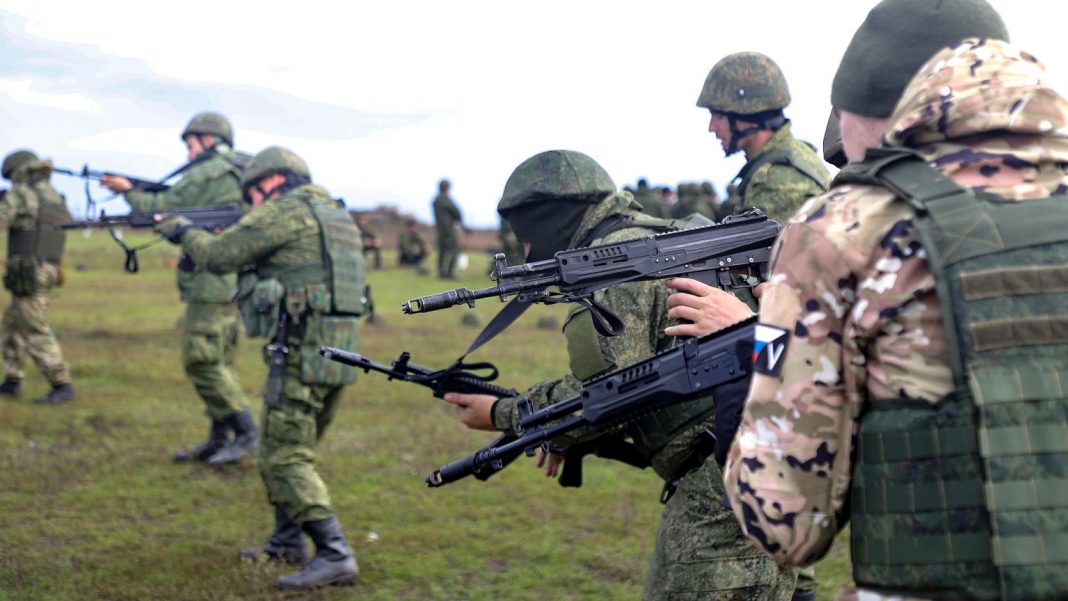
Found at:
[769, 349]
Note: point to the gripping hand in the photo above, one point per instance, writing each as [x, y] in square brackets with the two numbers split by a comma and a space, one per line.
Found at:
[173, 227]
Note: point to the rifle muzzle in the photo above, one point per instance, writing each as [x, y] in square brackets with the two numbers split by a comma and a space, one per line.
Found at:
[451, 472]
[442, 300]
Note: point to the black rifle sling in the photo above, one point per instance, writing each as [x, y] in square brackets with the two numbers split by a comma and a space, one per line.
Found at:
[511, 312]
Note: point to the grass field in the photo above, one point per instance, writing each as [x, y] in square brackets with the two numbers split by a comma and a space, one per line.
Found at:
[91, 506]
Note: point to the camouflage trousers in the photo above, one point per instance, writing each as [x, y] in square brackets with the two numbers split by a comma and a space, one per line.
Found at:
[292, 428]
[701, 553]
[209, 342]
[26, 332]
[447, 254]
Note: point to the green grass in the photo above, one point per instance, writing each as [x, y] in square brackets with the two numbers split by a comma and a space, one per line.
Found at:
[91, 506]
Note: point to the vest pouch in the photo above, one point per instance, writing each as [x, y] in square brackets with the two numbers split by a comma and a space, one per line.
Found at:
[21, 276]
[341, 331]
[260, 306]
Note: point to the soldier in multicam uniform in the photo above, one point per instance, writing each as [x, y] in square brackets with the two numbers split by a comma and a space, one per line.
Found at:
[921, 393]
[746, 94]
[305, 290]
[559, 200]
[447, 218]
[210, 328]
[29, 211]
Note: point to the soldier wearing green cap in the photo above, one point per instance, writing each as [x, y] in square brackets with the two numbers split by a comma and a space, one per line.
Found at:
[30, 212]
[562, 199]
[745, 93]
[210, 327]
[303, 287]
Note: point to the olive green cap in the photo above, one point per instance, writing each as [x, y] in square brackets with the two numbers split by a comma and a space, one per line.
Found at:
[15, 160]
[833, 149]
[896, 39]
[745, 83]
[209, 123]
[274, 159]
[557, 175]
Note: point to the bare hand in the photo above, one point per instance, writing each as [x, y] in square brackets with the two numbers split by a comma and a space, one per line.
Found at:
[551, 462]
[474, 410]
[708, 308]
[116, 183]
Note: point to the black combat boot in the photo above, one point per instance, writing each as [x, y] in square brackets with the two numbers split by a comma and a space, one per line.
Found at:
[11, 387]
[60, 393]
[285, 545]
[246, 439]
[333, 563]
[808, 595]
[218, 436]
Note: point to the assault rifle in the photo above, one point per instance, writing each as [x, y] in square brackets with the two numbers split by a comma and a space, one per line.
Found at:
[209, 218]
[682, 373]
[709, 254]
[461, 377]
[93, 174]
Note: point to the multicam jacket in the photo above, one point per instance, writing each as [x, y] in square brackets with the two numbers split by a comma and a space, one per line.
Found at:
[851, 283]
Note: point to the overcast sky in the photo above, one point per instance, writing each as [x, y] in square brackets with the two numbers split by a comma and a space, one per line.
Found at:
[383, 99]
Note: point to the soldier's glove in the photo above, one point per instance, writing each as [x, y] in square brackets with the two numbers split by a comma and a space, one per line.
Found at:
[173, 227]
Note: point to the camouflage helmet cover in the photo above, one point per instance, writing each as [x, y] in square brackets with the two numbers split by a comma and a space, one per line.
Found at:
[15, 160]
[208, 123]
[556, 174]
[273, 159]
[744, 83]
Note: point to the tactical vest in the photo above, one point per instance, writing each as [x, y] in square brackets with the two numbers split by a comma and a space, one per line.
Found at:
[779, 156]
[324, 298]
[968, 496]
[44, 241]
[586, 360]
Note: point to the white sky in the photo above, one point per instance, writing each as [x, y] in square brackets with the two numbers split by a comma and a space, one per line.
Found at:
[383, 99]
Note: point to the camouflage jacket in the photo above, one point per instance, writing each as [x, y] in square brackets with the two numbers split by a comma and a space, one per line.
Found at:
[777, 189]
[207, 183]
[642, 307]
[850, 281]
[283, 232]
[446, 217]
[411, 244]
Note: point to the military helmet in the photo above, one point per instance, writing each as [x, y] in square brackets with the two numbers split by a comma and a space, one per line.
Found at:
[744, 83]
[895, 40]
[556, 174]
[15, 160]
[274, 159]
[209, 123]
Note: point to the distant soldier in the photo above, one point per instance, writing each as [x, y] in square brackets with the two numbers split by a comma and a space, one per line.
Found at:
[689, 202]
[411, 248]
[370, 242]
[305, 289]
[746, 93]
[210, 330]
[510, 245]
[651, 201]
[29, 211]
[447, 218]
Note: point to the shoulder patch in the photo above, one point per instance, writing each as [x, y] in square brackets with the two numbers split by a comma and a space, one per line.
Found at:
[769, 348]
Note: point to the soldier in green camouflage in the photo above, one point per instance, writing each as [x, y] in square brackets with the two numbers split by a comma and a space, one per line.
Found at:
[651, 201]
[447, 218]
[746, 94]
[371, 243]
[411, 248]
[210, 328]
[562, 199]
[30, 212]
[303, 288]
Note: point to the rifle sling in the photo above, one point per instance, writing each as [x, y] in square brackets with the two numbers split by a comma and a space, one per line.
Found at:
[511, 312]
